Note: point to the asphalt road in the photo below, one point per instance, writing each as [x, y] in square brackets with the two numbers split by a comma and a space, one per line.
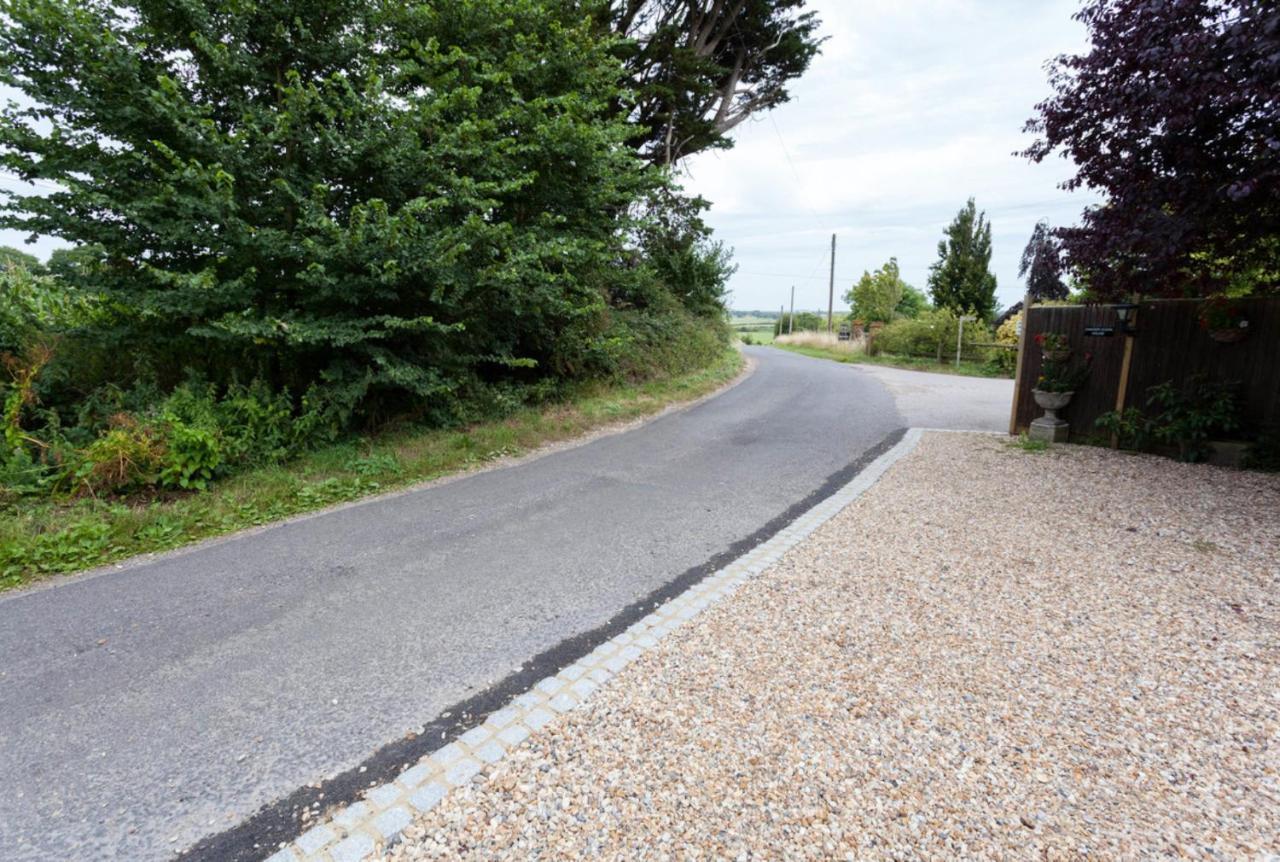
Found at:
[144, 708]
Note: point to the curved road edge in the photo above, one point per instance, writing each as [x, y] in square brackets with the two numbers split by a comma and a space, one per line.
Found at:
[281, 822]
[608, 430]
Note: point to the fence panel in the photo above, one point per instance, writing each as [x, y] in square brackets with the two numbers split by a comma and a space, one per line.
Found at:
[1169, 345]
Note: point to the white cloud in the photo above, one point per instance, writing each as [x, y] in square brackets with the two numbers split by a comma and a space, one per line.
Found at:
[912, 107]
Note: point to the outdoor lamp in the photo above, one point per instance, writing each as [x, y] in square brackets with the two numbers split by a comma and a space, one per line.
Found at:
[1124, 313]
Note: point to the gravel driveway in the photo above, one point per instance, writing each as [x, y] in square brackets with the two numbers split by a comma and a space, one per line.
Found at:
[992, 653]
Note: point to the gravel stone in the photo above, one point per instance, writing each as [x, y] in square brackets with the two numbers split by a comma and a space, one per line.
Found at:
[990, 654]
[314, 838]
[538, 718]
[427, 797]
[463, 771]
[384, 795]
[476, 737]
[491, 752]
[390, 822]
[415, 775]
[514, 735]
[352, 815]
[353, 849]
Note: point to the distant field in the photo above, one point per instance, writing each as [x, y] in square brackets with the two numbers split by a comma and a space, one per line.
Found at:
[753, 329]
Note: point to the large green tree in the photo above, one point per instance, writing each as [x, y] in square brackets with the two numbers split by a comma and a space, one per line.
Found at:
[10, 256]
[1172, 115]
[875, 296]
[381, 197]
[699, 68]
[1041, 265]
[961, 279]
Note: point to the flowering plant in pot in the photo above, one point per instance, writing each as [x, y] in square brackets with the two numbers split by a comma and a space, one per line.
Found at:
[1058, 381]
[1054, 346]
[1223, 319]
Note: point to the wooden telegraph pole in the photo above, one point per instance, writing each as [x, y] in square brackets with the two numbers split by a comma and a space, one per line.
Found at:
[791, 321]
[831, 286]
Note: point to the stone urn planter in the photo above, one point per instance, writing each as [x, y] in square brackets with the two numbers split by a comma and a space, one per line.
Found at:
[1050, 426]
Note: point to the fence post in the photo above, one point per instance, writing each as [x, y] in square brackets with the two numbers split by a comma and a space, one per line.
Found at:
[1017, 369]
[1126, 365]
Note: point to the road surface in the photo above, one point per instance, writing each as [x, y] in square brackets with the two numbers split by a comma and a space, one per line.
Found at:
[146, 708]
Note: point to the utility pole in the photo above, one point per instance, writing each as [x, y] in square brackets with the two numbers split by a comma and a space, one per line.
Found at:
[831, 286]
[782, 312]
[791, 321]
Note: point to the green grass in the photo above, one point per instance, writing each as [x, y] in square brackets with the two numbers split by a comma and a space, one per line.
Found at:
[756, 336]
[966, 368]
[43, 538]
[1030, 444]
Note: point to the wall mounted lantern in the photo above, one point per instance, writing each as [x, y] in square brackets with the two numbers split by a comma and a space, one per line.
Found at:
[1126, 312]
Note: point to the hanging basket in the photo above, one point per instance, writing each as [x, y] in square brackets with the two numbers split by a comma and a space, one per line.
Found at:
[1233, 335]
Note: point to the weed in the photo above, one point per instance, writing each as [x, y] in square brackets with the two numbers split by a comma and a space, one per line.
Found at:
[43, 537]
[1029, 444]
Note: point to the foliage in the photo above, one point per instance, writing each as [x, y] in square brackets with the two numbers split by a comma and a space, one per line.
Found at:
[699, 68]
[1004, 359]
[129, 455]
[374, 212]
[34, 306]
[395, 203]
[12, 257]
[1063, 375]
[805, 321]
[40, 537]
[1030, 444]
[933, 334]
[1041, 265]
[1187, 416]
[876, 296]
[1219, 312]
[1052, 341]
[678, 248]
[1130, 428]
[1172, 116]
[913, 302]
[961, 279]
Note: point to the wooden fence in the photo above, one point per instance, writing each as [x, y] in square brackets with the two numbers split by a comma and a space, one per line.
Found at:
[1169, 344]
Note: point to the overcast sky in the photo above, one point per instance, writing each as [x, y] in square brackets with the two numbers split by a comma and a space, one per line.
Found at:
[913, 106]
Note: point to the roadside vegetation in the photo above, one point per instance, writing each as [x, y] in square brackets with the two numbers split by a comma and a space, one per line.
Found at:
[895, 324]
[823, 346]
[40, 537]
[306, 237]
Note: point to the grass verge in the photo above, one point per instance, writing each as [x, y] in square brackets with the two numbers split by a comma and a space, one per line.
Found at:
[42, 538]
[911, 363]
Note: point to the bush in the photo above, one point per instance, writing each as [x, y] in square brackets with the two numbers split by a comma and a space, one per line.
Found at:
[190, 458]
[126, 457]
[932, 334]
[1184, 416]
[806, 321]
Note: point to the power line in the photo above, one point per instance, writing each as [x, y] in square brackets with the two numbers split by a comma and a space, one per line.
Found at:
[38, 183]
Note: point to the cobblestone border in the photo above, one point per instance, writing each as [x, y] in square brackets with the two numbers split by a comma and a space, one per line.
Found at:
[364, 829]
